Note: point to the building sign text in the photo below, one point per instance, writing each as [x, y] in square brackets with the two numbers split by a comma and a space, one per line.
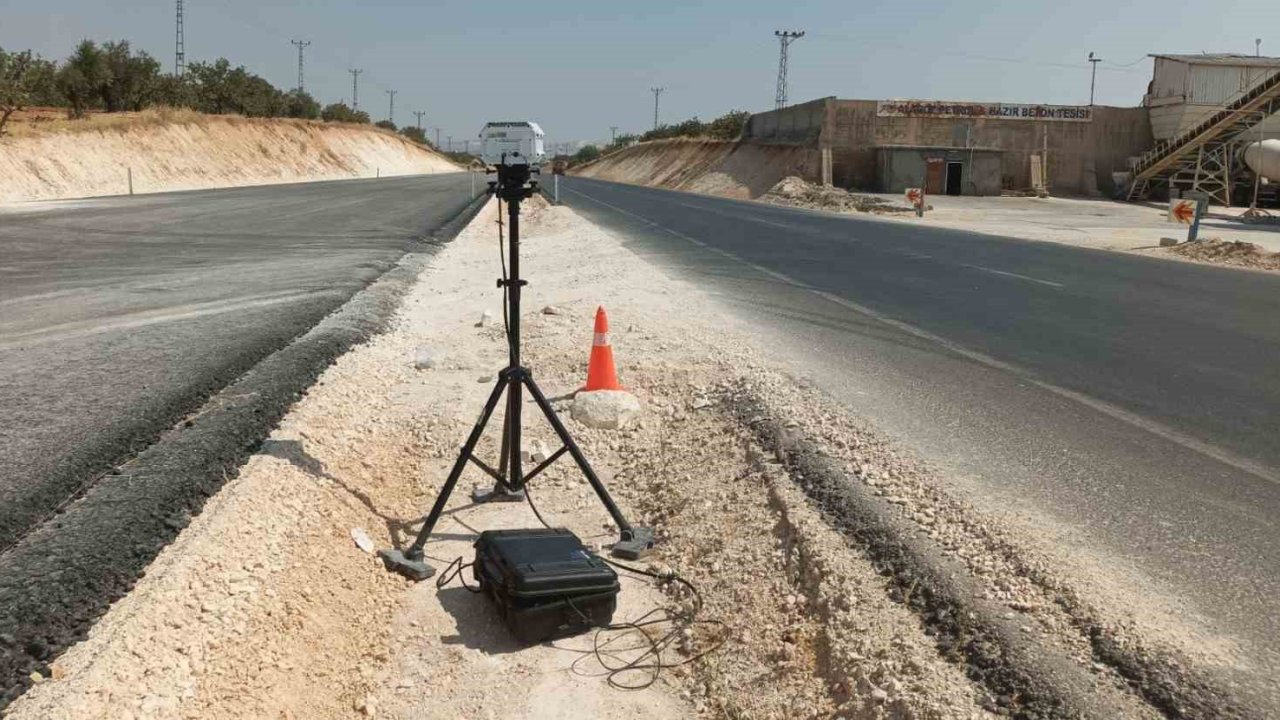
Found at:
[994, 111]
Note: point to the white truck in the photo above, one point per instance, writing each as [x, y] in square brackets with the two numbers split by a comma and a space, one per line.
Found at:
[512, 143]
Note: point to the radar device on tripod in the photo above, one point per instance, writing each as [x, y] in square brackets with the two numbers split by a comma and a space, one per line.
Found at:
[514, 149]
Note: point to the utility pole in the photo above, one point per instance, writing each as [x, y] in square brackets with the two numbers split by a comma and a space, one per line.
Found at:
[656, 93]
[301, 45]
[613, 134]
[1093, 81]
[785, 38]
[180, 48]
[419, 114]
[450, 139]
[391, 108]
[437, 138]
[1257, 43]
[355, 88]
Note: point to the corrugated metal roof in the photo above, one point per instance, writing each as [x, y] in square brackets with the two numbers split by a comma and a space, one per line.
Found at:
[1229, 59]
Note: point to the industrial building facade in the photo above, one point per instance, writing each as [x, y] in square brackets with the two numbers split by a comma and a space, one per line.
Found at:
[1187, 89]
[1076, 148]
[1198, 117]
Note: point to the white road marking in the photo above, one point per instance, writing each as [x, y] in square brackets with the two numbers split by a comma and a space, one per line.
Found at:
[1167, 433]
[1050, 283]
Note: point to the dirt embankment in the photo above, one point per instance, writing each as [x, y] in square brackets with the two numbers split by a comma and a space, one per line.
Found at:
[159, 151]
[712, 167]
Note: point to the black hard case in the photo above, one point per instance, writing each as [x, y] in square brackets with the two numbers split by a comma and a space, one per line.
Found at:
[544, 583]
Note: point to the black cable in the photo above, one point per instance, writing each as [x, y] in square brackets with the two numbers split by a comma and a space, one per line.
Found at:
[502, 258]
[454, 570]
[681, 621]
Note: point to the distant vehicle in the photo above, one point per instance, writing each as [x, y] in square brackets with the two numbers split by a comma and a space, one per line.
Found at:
[558, 167]
[512, 143]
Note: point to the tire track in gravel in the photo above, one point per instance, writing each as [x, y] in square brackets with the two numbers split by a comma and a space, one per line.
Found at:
[1029, 678]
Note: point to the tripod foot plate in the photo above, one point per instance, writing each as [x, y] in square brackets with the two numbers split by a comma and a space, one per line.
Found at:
[634, 544]
[497, 494]
[415, 570]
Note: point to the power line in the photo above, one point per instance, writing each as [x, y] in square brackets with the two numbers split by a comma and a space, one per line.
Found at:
[180, 48]
[391, 110]
[656, 93]
[785, 38]
[355, 89]
[302, 44]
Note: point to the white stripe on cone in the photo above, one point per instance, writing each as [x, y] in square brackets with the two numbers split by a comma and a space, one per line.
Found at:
[602, 339]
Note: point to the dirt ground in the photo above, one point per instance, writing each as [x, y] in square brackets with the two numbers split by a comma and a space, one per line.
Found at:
[44, 157]
[1100, 224]
[266, 607]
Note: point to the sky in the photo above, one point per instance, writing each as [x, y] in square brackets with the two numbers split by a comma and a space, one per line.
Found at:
[580, 66]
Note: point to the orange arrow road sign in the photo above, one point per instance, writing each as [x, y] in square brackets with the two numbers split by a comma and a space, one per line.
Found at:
[1182, 211]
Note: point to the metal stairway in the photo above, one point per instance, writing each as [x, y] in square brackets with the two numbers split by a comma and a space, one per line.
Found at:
[1202, 154]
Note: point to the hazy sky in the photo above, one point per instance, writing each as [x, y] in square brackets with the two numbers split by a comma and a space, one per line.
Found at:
[579, 66]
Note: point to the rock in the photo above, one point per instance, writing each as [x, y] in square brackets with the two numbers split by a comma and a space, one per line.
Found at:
[57, 672]
[605, 409]
[699, 403]
[362, 540]
[425, 358]
[486, 319]
[1168, 242]
[484, 379]
[879, 695]
[540, 452]
[364, 706]
[551, 310]
[36, 678]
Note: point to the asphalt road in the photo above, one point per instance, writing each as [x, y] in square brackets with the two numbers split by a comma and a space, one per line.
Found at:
[1128, 406]
[118, 316]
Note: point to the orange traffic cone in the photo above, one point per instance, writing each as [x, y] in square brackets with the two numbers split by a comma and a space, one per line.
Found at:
[601, 374]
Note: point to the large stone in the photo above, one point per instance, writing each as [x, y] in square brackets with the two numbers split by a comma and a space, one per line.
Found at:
[424, 358]
[605, 409]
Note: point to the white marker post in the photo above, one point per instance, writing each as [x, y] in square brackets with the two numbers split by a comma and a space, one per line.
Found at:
[555, 183]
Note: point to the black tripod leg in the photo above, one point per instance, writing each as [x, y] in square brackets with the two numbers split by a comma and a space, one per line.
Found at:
[500, 492]
[635, 541]
[410, 563]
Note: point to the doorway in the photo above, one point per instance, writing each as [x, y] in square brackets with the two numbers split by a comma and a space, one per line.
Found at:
[933, 176]
[955, 178]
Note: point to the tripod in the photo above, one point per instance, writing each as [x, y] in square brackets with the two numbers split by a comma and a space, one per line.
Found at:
[513, 186]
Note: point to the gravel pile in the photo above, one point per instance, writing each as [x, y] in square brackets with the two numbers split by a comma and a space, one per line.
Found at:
[1228, 252]
[797, 192]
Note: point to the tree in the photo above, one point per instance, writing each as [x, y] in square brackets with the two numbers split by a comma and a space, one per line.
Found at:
[622, 141]
[83, 76]
[42, 83]
[175, 91]
[15, 83]
[728, 126]
[299, 104]
[415, 134]
[341, 112]
[586, 154]
[385, 125]
[133, 78]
